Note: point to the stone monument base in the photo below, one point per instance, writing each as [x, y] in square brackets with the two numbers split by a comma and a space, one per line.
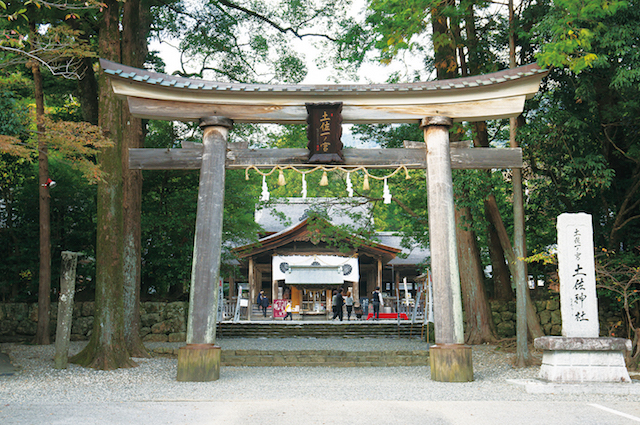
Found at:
[199, 363]
[571, 360]
[451, 363]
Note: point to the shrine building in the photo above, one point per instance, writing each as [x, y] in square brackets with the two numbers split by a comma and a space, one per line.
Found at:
[313, 246]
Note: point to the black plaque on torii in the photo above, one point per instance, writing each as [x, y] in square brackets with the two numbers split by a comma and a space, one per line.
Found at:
[324, 132]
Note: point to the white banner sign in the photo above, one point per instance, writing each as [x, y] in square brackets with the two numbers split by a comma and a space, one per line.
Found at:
[348, 266]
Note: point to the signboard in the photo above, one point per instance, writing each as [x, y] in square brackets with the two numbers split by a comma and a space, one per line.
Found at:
[278, 308]
[324, 132]
[576, 268]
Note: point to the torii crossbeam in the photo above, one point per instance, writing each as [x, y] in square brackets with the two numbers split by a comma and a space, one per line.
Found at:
[433, 105]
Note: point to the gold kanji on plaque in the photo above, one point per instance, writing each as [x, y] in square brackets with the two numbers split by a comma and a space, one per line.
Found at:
[324, 132]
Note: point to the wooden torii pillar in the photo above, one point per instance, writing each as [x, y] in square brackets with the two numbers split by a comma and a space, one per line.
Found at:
[450, 360]
[199, 360]
[160, 96]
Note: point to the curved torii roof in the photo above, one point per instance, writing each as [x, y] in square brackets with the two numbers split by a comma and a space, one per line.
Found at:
[168, 97]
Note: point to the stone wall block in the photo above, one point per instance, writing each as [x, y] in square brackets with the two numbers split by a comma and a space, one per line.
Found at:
[507, 316]
[155, 338]
[20, 311]
[88, 309]
[553, 305]
[506, 329]
[82, 325]
[177, 337]
[7, 327]
[177, 324]
[495, 305]
[77, 310]
[152, 307]
[556, 317]
[176, 310]
[556, 330]
[497, 318]
[161, 328]
[150, 319]
[545, 317]
[540, 306]
[33, 313]
[144, 331]
[26, 327]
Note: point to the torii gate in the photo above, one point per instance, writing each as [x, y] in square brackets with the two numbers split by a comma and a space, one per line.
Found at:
[435, 105]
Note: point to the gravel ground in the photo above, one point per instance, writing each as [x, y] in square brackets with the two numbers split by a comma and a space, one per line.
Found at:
[154, 379]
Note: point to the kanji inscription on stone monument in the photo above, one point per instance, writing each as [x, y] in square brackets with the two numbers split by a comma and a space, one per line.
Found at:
[576, 268]
[324, 132]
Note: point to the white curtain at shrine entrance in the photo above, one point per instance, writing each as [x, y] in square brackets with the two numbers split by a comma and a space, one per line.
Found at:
[315, 269]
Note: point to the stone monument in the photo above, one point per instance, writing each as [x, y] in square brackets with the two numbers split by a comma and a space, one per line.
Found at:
[580, 355]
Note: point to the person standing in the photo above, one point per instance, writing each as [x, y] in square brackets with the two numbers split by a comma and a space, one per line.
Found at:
[287, 309]
[376, 301]
[338, 301]
[263, 303]
[348, 301]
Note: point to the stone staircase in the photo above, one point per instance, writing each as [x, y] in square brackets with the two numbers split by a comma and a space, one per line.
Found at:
[328, 329]
[316, 358]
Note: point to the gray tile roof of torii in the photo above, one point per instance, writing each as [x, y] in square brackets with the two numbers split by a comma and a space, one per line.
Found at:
[165, 80]
[161, 96]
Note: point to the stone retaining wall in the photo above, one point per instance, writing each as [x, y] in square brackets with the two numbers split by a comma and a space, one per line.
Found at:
[317, 358]
[504, 317]
[167, 322]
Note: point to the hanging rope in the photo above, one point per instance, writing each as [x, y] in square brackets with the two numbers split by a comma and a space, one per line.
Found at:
[324, 181]
[324, 168]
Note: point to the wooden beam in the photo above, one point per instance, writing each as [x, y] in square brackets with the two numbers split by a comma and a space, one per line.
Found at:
[276, 111]
[190, 159]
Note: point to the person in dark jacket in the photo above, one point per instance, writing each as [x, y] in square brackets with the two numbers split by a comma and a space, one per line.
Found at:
[338, 301]
[263, 303]
[376, 300]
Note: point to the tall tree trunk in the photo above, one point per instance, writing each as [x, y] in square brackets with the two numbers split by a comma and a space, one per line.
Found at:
[44, 286]
[88, 93]
[501, 277]
[533, 322]
[134, 48]
[107, 349]
[479, 322]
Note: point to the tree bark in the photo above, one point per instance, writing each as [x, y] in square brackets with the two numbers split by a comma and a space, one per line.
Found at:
[501, 278]
[479, 322]
[134, 49]
[88, 93]
[533, 322]
[44, 277]
[106, 348]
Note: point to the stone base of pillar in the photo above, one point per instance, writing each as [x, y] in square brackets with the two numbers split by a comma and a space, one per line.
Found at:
[199, 363]
[451, 363]
[579, 359]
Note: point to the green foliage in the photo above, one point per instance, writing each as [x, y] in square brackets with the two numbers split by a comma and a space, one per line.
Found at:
[73, 210]
[573, 27]
[581, 140]
[169, 202]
